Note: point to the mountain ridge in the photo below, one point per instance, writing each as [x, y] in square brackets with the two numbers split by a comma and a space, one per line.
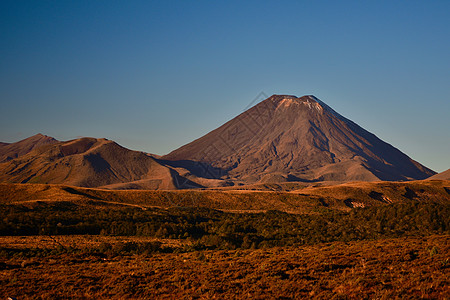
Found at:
[281, 139]
[89, 162]
[9, 151]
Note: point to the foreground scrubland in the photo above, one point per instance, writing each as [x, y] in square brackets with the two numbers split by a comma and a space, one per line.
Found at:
[90, 246]
[402, 268]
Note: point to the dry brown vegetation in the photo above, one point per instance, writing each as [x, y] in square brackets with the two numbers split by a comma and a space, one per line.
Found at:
[404, 268]
[299, 200]
[397, 246]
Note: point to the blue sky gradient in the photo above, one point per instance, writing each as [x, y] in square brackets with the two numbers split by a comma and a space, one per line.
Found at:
[154, 75]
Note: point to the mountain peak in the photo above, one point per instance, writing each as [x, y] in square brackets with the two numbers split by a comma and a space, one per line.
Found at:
[298, 138]
[304, 103]
[14, 150]
[309, 102]
[294, 97]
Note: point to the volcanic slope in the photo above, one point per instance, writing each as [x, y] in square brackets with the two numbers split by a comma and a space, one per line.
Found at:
[441, 176]
[285, 138]
[9, 151]
[90, 162]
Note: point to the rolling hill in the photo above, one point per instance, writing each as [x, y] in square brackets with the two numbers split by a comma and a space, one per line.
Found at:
[9, 151]
[89, 162]
[303, 200]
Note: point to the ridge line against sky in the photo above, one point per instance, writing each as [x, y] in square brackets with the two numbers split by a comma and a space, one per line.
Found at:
[154, 75]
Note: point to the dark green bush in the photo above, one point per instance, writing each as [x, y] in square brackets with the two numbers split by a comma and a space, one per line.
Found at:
[212, 229]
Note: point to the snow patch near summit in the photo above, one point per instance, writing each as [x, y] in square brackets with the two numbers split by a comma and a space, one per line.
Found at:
[311, 103]
[327, 108]
[286, 102]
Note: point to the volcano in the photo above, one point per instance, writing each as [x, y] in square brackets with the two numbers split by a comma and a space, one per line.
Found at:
[289, 138]
[281, 139]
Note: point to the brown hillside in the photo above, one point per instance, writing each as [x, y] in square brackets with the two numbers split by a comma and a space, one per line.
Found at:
[306, 200]
[89, 162]
[10, 151]
[285, 138]
[441, 176]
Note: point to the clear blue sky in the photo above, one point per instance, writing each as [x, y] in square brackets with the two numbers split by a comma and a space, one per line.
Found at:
[153, 75]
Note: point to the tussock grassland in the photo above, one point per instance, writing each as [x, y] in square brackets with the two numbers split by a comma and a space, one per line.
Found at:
[358, 240]
[298, 200]
[402, 268]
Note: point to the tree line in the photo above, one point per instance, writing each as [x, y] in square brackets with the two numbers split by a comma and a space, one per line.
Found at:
[214, 229]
